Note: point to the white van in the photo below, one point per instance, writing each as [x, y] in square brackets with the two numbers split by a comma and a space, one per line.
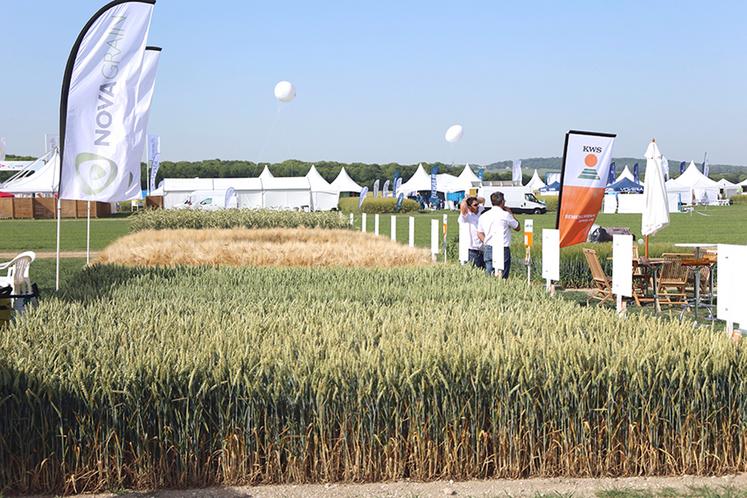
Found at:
[518, 199]
[211, 200]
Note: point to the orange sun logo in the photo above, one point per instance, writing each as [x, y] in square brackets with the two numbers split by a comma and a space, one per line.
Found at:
[590, 160]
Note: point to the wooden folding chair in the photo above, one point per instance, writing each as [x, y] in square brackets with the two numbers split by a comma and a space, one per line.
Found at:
[673, 282]
[603, 284]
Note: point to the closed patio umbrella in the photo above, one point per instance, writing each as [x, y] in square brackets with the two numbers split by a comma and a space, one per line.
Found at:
[655, 206]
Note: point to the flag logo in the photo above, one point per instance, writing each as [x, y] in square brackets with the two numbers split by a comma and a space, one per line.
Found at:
[589, 173]
[95, 172]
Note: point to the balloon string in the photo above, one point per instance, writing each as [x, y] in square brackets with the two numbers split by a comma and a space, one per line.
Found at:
[269, 133]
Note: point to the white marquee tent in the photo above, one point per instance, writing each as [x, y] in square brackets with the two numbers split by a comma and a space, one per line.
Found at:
[343, 183]
[324, 197]
[625, 173]
[289, 192]
[418, 182]
[536, 182]
[266, 173]
[694, 185]
[730, 189]
[248, 191]
[41, 176]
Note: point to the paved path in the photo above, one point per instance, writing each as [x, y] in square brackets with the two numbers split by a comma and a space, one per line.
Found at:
[5, 256]
[491, 488]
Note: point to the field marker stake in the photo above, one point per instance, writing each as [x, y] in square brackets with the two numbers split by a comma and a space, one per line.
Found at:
[363, 223]
[393, 233]
[376, 224]
[446, 224]
[434, 239]
[352, 220]
[411, 235]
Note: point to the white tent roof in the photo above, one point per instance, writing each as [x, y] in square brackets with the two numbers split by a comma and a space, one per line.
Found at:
[692, 178]
[186, 184]
[743, 183]
[448, 183]
[45, 177]
[286, 183]
[417, 182]
[723, 183]
[467, 176]
[242, 184]
[626, 173]
[343, 183]
[536, 182]
[266, 173]
[317, 181]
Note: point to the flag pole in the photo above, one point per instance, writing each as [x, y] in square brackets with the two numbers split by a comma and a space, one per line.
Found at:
[88, 232]
[57, 257]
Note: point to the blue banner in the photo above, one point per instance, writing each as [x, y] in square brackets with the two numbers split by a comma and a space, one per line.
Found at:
[364, 193]
[397, 185]
[636, 178]
[376, 189]
[613, 174]
[682, 167]
[400, 200]
[434, 183]
[480, 173]
[385, 190]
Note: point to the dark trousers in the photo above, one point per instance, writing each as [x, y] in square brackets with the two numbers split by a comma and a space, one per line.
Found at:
[488, 255]
[475, 257]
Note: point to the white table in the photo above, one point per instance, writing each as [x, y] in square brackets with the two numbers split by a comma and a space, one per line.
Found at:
[698, 247]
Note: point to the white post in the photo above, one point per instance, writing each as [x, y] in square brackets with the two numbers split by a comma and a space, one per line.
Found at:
[620, 305]
[434, 239]
[57, 268]
[393, 234]
[88, 232]
[376, 224]
[445, 226]
[363, 222]
[411, 234]
[352, 220]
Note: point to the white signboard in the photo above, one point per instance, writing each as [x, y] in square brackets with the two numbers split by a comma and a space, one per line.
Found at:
[622, 265]
[434, 237]
[551, 254]
[732, 275]
[497, 252]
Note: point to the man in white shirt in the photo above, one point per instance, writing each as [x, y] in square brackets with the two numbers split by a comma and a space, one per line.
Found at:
[470, 210]
[494, 230]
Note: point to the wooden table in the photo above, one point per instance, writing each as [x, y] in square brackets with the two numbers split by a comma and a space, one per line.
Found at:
[697, 247]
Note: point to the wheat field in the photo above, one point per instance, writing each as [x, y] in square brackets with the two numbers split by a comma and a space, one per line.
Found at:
[294, 247]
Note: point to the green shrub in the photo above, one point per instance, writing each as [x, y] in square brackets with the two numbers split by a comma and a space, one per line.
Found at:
[161, 219]
[551, 201]
[378, 205]
[204, 376]
[739, 200]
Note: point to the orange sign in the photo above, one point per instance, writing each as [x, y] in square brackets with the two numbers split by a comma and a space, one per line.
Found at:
[586, 163]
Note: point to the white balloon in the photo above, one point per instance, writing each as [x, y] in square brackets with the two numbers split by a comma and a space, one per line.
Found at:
[285, 91]
[454, 134]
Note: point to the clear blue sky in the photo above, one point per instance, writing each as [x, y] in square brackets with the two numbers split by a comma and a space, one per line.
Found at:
[381, 81]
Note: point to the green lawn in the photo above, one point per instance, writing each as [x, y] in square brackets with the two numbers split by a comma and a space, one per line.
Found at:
[717, 225]
[40, 235]
[727, 225]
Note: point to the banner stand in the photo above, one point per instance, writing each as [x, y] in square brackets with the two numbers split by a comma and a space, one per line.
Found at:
[88, 233]
[57, 257]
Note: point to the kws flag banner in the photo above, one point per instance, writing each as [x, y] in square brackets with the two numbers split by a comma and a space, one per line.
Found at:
[586, 163]
[98, 106]
[142, 109]
[154, 157]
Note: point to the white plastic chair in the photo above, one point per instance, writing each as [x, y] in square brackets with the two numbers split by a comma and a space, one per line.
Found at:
[18, 274]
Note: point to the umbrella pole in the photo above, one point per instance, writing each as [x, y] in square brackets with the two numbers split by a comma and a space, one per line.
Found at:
[645, 237]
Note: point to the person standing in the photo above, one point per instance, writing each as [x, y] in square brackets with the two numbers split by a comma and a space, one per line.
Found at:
[494, 230]
[470, 210]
